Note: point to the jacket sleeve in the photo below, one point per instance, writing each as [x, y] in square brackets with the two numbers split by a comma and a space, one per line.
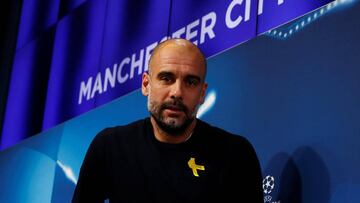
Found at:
[91, 185]
[243, 176]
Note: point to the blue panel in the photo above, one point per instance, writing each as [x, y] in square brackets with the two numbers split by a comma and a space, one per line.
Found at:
[46, 142]
[76, 56]
[26, 177]
[27, 90]
[36, 17]
[297, 100]
[132, 30]
[214, 25]
[28, 170]
[67, 6]
[277, 12]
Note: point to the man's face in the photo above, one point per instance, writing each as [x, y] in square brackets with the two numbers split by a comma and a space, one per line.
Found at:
[175, 86]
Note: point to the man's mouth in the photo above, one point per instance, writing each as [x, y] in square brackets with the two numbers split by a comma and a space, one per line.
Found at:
[174, 108]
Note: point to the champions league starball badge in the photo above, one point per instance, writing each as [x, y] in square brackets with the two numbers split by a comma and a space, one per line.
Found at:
[268, 187]
[268, 184]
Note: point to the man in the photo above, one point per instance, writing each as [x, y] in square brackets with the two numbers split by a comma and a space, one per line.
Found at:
[171, 156]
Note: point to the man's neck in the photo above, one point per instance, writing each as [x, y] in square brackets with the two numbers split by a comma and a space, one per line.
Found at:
[162, 136]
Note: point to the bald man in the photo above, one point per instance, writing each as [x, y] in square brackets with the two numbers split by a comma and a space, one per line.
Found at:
[171, 156]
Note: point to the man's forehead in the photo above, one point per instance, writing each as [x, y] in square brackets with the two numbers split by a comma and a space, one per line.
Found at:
[172, 64]
[178, 52]
[177, 45]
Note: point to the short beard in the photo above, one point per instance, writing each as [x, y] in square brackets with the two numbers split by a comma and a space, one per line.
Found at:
[171, 128]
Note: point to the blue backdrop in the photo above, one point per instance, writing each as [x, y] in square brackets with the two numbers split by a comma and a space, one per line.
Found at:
[75, 55]
[293, 92]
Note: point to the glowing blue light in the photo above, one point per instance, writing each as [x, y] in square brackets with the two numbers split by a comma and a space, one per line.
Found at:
[306, 20]
[208, 104]
[67, 171]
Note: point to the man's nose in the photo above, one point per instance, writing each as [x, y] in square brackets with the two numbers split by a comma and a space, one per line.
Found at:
[177, 90]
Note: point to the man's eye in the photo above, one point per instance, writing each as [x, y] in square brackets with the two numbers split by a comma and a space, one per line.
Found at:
[192, 82]
[165, 79]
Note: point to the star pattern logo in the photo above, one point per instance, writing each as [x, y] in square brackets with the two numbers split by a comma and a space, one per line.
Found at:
[268, 184]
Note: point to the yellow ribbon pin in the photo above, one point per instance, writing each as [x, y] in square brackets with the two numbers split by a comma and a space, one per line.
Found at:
[194, 167]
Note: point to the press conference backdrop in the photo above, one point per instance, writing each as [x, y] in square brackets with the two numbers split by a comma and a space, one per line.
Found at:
[75, 55]
[293, 92]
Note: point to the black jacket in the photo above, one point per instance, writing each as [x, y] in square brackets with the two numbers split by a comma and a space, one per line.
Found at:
[128, 164]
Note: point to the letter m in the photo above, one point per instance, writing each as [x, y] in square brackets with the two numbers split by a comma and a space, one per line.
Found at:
[85, 90]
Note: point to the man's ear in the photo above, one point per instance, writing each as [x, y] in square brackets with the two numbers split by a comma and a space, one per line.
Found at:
[145, 84]
[203, 92]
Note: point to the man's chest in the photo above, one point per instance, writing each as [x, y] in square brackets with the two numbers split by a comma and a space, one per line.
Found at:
[186, 175]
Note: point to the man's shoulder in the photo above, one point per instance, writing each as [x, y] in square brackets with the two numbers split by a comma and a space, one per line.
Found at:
[126, 127]
[220, 133]
[126, 131]
[204, 126]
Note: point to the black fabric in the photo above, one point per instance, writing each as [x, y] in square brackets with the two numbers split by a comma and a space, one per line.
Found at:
[128, 164]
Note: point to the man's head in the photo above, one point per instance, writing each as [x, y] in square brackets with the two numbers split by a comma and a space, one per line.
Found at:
[175, 84]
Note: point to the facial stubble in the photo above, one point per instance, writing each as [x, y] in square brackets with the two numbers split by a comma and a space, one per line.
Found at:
[170, 125]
